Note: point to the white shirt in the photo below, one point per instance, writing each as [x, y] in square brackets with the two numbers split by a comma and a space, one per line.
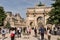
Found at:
[48, 32]
[13, 32]
[18, 28]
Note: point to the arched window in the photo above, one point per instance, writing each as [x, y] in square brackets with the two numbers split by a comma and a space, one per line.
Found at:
[39, 19]
[31, 23]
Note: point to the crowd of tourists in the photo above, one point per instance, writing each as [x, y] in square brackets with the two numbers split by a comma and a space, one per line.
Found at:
[26, 30]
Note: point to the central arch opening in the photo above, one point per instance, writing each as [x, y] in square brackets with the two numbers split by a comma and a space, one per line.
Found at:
[39, 21]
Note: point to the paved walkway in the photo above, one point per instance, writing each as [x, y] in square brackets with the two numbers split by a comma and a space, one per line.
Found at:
[30, 37]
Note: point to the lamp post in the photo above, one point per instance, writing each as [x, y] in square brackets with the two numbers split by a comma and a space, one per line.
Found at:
[34, 16]
[44, 13]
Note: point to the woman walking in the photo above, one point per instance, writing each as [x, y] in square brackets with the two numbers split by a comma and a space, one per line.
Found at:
[48, 34]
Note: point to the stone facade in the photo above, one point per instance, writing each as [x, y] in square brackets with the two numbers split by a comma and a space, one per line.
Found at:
[37, 15]
[34, 17]
[14, 20]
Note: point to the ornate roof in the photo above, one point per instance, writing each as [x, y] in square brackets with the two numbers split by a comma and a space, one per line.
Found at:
[17, 14]
[38, 9]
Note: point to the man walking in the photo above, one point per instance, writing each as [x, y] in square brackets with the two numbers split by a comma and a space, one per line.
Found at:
[35, 31]
[42, 31]
[19, 30]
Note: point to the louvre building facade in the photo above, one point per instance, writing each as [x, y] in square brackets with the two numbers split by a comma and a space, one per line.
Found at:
[35, 16]
[14, 20]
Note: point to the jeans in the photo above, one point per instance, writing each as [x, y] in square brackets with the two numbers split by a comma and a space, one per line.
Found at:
[42, 36]
[12, 38]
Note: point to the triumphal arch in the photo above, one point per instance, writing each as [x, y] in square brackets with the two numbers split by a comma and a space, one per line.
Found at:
[37, 15]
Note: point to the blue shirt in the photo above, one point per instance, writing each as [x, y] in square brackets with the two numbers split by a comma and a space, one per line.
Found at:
[42, 30]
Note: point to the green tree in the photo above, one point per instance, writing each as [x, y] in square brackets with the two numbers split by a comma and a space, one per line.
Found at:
[54, 13]
[8, 25]
[2, 15]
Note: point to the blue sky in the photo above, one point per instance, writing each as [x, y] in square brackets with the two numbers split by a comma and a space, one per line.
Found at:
[20, 6]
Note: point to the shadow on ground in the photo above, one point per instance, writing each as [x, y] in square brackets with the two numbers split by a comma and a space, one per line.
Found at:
[40, 39]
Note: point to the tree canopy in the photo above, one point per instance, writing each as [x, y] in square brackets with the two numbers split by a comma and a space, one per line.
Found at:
[2, 15]
[54, 13]
[8, 25]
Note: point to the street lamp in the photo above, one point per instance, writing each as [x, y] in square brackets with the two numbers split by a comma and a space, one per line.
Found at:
[44, 13]
[34, 16]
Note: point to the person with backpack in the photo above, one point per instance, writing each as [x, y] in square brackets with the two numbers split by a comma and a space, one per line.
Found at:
[3, 32]
[35, 31]
[19, 30]
[55, 31]
[28, 30]
[12, 35]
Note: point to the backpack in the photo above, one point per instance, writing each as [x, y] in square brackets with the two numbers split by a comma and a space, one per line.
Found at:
[3, 31]
[12, 35]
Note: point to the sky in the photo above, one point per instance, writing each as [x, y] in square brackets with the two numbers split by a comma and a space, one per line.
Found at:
[20, 6]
